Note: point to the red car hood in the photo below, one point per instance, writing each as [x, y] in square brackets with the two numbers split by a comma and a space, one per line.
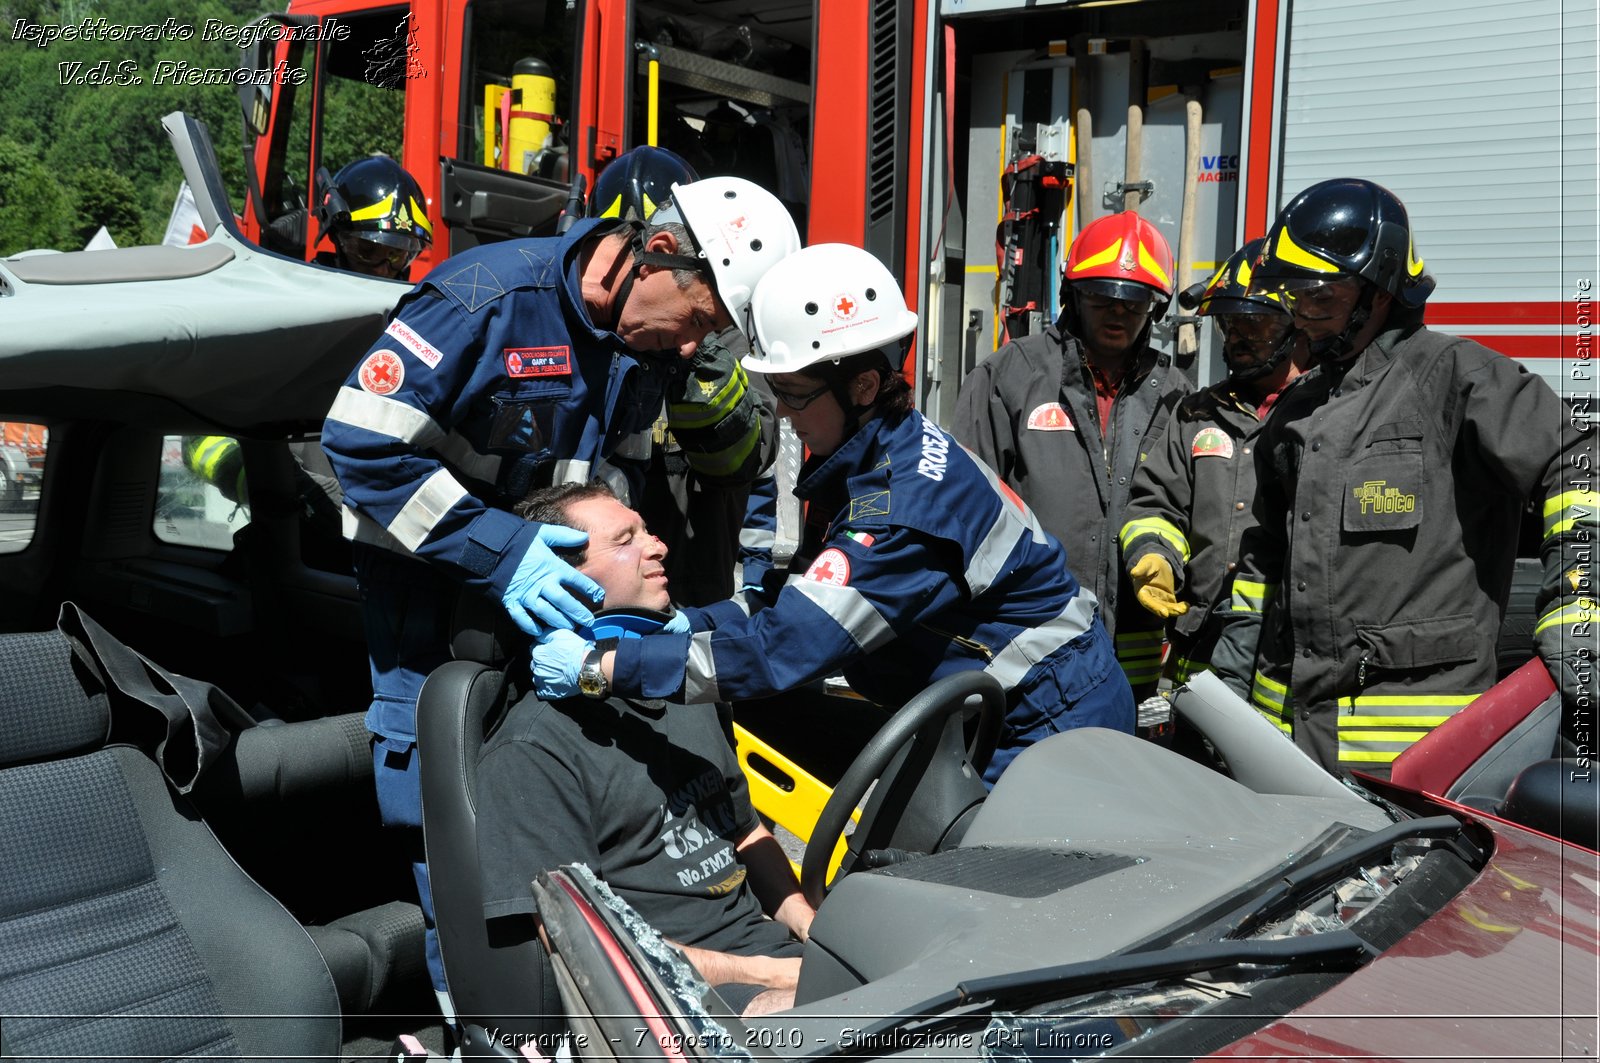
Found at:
[1505, 970]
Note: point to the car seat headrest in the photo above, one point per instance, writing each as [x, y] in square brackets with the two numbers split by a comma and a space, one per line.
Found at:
[481, 630]
[51, 705]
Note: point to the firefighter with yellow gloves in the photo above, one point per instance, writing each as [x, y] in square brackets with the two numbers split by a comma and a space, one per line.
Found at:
[1067, 415]
[1392, 477]
[1192, 496]
[716, 433]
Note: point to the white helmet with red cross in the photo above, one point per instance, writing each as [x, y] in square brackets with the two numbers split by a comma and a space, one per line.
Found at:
[825, 303]
[742, 231]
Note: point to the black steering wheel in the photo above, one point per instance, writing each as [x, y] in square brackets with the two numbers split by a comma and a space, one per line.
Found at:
[922, 718]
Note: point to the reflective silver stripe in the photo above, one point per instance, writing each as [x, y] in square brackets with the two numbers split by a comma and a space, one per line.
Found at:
[849, 609]
[386, 417]
[359, 529]
[992, 552]
[756, 538]
[456, 452]
[570, 471]
[700, 671]
[1033, 645]
[424, 509]
[998, 543]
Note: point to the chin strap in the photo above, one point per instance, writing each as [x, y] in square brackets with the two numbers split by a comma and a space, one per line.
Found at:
[1275, 359]
[642, 258]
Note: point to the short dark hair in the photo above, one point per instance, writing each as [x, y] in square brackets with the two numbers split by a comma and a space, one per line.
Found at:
[549, 505]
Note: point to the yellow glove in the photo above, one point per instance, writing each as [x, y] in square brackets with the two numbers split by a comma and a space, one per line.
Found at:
[1154, 586]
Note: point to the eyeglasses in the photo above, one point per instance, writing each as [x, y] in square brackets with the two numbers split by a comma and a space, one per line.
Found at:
[795, 401]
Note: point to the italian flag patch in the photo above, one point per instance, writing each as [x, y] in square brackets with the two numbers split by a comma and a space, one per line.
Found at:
[861, 537]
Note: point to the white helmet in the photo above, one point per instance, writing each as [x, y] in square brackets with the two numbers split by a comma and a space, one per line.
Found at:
[742, 231]
[824, 303]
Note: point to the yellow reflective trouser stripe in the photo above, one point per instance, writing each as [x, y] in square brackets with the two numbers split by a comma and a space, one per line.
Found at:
[1183, 668]
[1271, 699]
[1377, 728]
[1158, 526]
[1251, 597]
[1564, 511]
[1578, 612]
[1139, 654]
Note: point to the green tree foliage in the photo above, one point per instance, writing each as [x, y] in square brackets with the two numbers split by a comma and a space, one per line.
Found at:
[34, 212]
[83, 139]
[106, 197]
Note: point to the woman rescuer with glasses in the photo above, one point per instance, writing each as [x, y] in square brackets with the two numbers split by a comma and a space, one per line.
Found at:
[922, 563]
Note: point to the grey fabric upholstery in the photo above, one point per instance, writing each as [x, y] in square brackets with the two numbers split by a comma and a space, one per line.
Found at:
[500, 977]
[125, 928]
[47, 706]
[300, 795]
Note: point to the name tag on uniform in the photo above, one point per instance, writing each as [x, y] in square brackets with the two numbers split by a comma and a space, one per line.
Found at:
[525, 362]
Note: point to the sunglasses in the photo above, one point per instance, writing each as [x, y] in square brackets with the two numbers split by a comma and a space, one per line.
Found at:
[794, 400]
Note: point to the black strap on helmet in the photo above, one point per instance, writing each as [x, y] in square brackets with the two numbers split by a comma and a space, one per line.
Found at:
[641, 257]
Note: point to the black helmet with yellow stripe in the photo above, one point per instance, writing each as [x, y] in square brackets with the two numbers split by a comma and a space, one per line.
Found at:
[376, 215]
[1347, 227]
[638, 181]
[1257, 332]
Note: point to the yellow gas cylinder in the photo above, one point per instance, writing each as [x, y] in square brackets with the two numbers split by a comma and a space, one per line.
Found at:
[533, 109]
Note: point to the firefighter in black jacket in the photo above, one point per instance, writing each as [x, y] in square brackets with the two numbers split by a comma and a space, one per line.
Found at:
[1393, 474]
[1066, 416]
[1192, 496]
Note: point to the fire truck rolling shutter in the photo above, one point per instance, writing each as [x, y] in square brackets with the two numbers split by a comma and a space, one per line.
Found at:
[1480, 116]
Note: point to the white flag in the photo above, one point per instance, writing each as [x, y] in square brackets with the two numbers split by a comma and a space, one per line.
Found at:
[183, 226]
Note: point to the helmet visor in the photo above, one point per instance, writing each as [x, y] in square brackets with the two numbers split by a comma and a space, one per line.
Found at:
[1253, 330]
[1315, 298]
[1130, 296]
[375, 249]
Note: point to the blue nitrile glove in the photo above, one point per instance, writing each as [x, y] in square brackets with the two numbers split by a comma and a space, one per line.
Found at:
[556, 662]
[678, 625]
[538, 594]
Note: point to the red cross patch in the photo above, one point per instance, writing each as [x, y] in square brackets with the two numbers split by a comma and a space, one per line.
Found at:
[831, 566]
[382, 373]
[844, 308]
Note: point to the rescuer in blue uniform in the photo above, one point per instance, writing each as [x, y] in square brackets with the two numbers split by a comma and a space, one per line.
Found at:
[509, 367]
[927, 565]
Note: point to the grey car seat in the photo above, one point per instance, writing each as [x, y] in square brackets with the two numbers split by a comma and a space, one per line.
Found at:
[125, 928]
[500, 976]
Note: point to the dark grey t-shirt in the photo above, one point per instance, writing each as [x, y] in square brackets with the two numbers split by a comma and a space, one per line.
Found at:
[649, 796]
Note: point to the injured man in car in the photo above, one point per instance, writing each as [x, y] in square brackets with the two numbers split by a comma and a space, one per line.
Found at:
[652, 801]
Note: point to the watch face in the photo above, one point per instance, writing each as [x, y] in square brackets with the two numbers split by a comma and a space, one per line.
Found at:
[591, 680]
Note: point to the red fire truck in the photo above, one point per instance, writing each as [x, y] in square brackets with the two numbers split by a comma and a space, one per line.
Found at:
[965, 141]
